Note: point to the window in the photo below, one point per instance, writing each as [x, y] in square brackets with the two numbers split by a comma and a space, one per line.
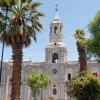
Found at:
[54, 91]
[54, 71]
[69, 76]
[55, 43]
[55, 58]
[55, 30]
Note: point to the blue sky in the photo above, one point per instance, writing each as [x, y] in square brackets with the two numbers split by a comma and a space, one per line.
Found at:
[73, 13]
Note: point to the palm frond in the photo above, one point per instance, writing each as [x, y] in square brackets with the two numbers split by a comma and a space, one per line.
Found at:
[29, 1]
[39, 14]
[23, 21]
[34, 5]
[6, 4]
[79, 34]
[23, 1]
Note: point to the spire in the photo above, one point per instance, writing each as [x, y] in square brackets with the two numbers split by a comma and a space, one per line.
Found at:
[56, 17]
[56, 8]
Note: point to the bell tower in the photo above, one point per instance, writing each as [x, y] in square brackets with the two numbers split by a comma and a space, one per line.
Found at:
[56, 51]
[56, 29]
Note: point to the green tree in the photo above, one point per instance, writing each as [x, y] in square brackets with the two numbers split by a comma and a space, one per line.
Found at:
[37, 82]
[45, 81]
[93, 47]
[81, 47]
[85, 86]
[23, 22]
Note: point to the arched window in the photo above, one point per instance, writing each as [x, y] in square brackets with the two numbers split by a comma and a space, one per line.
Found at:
[55, 58]
[54, 91]
[55, 29]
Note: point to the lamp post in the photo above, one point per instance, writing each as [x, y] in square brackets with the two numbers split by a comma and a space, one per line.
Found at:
[4, 30]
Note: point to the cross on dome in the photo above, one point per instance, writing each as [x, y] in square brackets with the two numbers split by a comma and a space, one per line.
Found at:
[56, 8]
[56, 17]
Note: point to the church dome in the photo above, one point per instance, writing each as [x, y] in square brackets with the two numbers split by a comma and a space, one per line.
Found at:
[56, 18]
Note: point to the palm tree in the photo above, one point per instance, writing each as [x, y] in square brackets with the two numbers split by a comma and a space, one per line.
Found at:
[23, 23]
[81, 44]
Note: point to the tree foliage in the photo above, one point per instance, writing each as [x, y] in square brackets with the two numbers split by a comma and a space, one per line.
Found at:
[94, 42]
[23, 21]
[84, 86]
[80, 37]
[37, 82]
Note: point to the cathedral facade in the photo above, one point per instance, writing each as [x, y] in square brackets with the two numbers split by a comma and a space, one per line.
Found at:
[56, 66]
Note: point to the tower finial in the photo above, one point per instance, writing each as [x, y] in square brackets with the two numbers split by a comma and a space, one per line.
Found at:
[56, 8]
[56, 16]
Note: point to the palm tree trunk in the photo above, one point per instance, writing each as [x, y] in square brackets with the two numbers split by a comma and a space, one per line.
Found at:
[16, 73]
[82, 57]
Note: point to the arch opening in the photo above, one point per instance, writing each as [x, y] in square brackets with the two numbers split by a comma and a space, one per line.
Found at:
[55, 29]
[55, 58]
